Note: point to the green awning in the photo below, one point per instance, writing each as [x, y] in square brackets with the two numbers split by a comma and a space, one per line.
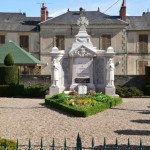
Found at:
[21, 56]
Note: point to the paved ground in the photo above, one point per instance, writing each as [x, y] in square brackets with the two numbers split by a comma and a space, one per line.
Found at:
[29, 118]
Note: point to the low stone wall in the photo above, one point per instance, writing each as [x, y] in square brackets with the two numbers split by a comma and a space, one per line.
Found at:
[131, 80]
[35, 79]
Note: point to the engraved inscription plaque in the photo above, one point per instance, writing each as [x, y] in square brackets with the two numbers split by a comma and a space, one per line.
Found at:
[82, 80]
[82, 67]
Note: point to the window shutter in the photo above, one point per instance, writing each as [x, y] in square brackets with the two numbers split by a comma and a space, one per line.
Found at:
[106, 41]
[142, 65]
[24, 42]
[2, 39]
[60, 42]
[143, 43]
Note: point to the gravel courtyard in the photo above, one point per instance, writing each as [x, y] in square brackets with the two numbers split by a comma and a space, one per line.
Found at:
[29, 118]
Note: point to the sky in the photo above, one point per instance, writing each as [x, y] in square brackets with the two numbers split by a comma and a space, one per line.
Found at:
[56, 7]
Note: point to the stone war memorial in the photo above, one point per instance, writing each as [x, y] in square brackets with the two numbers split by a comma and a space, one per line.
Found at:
[83, 67]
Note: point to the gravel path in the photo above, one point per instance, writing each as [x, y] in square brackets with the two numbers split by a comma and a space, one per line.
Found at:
[29, 118]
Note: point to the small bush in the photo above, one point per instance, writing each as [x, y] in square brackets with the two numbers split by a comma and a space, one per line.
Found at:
[62, 97]
[102, 97]
[124, 91]
[35, 91]
[10, 145]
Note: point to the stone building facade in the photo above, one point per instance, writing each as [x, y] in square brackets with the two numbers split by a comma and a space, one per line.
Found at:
[23, 31]
[128, 35]
[105, 31]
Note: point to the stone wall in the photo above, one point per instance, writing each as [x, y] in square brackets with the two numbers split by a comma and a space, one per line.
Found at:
[35, 79]
[131, 80]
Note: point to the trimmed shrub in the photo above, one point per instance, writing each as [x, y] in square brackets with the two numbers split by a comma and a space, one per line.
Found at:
[11, 90]
[82, 110]
[35, 91]
[9, 75]
[9, 61]
[124, 91]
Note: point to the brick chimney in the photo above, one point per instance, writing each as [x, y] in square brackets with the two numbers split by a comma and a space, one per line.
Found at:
[123, 10]
[44, 13]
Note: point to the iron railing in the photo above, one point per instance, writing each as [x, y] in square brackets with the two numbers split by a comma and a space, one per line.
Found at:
[79, 146]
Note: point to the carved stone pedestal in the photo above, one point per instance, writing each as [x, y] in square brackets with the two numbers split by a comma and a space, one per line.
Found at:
[111, 91]
[54, 90]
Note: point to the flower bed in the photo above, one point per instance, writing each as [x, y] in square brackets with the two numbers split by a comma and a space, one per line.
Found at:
[82, 105]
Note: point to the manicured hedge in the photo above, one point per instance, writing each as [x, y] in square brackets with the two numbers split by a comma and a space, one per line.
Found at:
[11, 90]
[147, 75]
[9, 75]
[31, 91]
[146, 90]
[35, 91]
[127, 91]
[84, 112]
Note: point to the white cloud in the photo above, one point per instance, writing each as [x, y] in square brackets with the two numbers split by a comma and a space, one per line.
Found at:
[134, 7]
[57, 13]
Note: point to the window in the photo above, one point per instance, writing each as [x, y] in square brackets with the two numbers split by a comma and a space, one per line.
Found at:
[60, 42]
[106, 41]
[142, 65]
[24, 42]
[2, 39]
[143, 43]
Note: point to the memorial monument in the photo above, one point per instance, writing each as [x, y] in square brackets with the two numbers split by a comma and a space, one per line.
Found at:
[83, 66]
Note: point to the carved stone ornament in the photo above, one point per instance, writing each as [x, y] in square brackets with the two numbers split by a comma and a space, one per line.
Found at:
[82, 22]
[82, 52]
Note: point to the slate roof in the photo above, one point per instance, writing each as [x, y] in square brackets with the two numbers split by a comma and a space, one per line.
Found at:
[94, 17]
[139, 22]
[21, 56]
[18, 22]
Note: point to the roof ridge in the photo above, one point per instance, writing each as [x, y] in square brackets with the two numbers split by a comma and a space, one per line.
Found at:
[53, 18]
